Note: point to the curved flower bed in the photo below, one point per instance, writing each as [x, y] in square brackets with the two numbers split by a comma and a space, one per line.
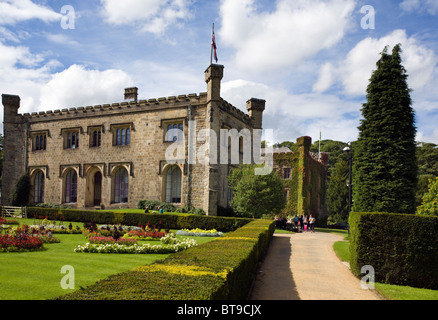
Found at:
[111, 240]
[21, 242]
[144, 235]
[199, 233]
[56, 229]
[146, 248]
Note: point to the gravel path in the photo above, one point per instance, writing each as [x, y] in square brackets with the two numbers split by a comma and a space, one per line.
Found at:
[304, 266]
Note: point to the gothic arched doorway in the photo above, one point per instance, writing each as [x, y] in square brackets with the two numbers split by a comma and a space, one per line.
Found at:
[97, 188]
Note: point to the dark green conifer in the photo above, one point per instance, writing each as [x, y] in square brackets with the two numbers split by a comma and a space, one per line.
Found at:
[385, 166]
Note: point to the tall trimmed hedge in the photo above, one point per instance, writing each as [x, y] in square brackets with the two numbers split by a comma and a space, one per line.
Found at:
[402, 248]
[222, 269]
[171, 221]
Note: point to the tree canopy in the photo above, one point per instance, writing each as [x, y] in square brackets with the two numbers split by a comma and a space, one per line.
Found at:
[256, 195]
[385, 166]
[430, 200]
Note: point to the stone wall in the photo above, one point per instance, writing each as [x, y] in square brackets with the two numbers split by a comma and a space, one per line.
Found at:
[202, 186]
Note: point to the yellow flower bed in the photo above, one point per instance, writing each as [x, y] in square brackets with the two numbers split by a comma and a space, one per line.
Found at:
[183, 270]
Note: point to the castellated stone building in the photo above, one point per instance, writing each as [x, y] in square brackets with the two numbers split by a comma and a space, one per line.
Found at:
[115, 154]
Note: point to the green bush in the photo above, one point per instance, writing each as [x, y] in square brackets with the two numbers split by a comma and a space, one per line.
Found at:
[167, 207]
[402, 248]
[97, 216]
[221, 269]
[170, 221]
[429, 205]
[155, 205]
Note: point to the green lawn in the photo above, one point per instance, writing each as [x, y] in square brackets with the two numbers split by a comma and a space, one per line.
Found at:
[37, 275]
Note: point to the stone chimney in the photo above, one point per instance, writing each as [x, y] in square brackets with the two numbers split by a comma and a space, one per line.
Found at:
[255, 109]
[131, 93]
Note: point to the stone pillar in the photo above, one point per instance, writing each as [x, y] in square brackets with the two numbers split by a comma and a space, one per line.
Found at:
[13, 146]
[213, 77]
[255, 109]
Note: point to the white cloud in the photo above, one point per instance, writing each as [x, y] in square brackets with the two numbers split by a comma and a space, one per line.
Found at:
[13, 11]
[23, 73]
[294, 31]
[152, 16]
[293, 115]
[355, 70]
[77, 86]
[325, 78]
[432, 137]
[32, 77]
[62, 39]
[430, 6]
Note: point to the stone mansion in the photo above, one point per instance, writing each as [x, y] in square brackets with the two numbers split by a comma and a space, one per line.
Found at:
[115, 154]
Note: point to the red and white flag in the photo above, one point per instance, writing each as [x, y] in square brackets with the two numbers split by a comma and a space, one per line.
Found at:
[213, 43]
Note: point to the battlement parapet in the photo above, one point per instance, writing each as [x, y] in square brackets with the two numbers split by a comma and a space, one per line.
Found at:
[119, 107]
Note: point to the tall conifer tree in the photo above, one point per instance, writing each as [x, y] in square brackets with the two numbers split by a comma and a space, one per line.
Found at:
[385, 166]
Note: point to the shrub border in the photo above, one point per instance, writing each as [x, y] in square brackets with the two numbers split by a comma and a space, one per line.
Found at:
[171, 221]
[402, 248]
[222, 269]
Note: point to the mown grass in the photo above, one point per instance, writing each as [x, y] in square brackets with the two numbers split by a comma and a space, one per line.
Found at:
[37, 275]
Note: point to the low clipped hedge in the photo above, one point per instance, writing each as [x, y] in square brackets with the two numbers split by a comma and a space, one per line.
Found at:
[222, 269]
[402, 248]
[171, 221]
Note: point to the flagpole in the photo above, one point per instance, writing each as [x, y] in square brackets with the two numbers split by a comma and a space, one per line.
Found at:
[211, 51]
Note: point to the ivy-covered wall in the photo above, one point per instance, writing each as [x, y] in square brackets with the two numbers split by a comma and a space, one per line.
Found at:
[307, 182]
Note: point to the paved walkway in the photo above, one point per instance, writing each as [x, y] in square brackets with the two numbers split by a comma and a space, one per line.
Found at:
[304, 266]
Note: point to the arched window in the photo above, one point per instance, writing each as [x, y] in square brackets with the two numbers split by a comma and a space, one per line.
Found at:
[123, 137]
[121, 186]
[97, 188]
[71, 187]
[39, 188]
[96, 138]
[174, 132]
[72, 140]
[173, 185]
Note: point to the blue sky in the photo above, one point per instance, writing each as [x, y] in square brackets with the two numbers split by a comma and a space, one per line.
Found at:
[309, 59]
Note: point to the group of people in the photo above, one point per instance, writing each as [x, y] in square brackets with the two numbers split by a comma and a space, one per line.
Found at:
[160, 210]
[305, 222]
